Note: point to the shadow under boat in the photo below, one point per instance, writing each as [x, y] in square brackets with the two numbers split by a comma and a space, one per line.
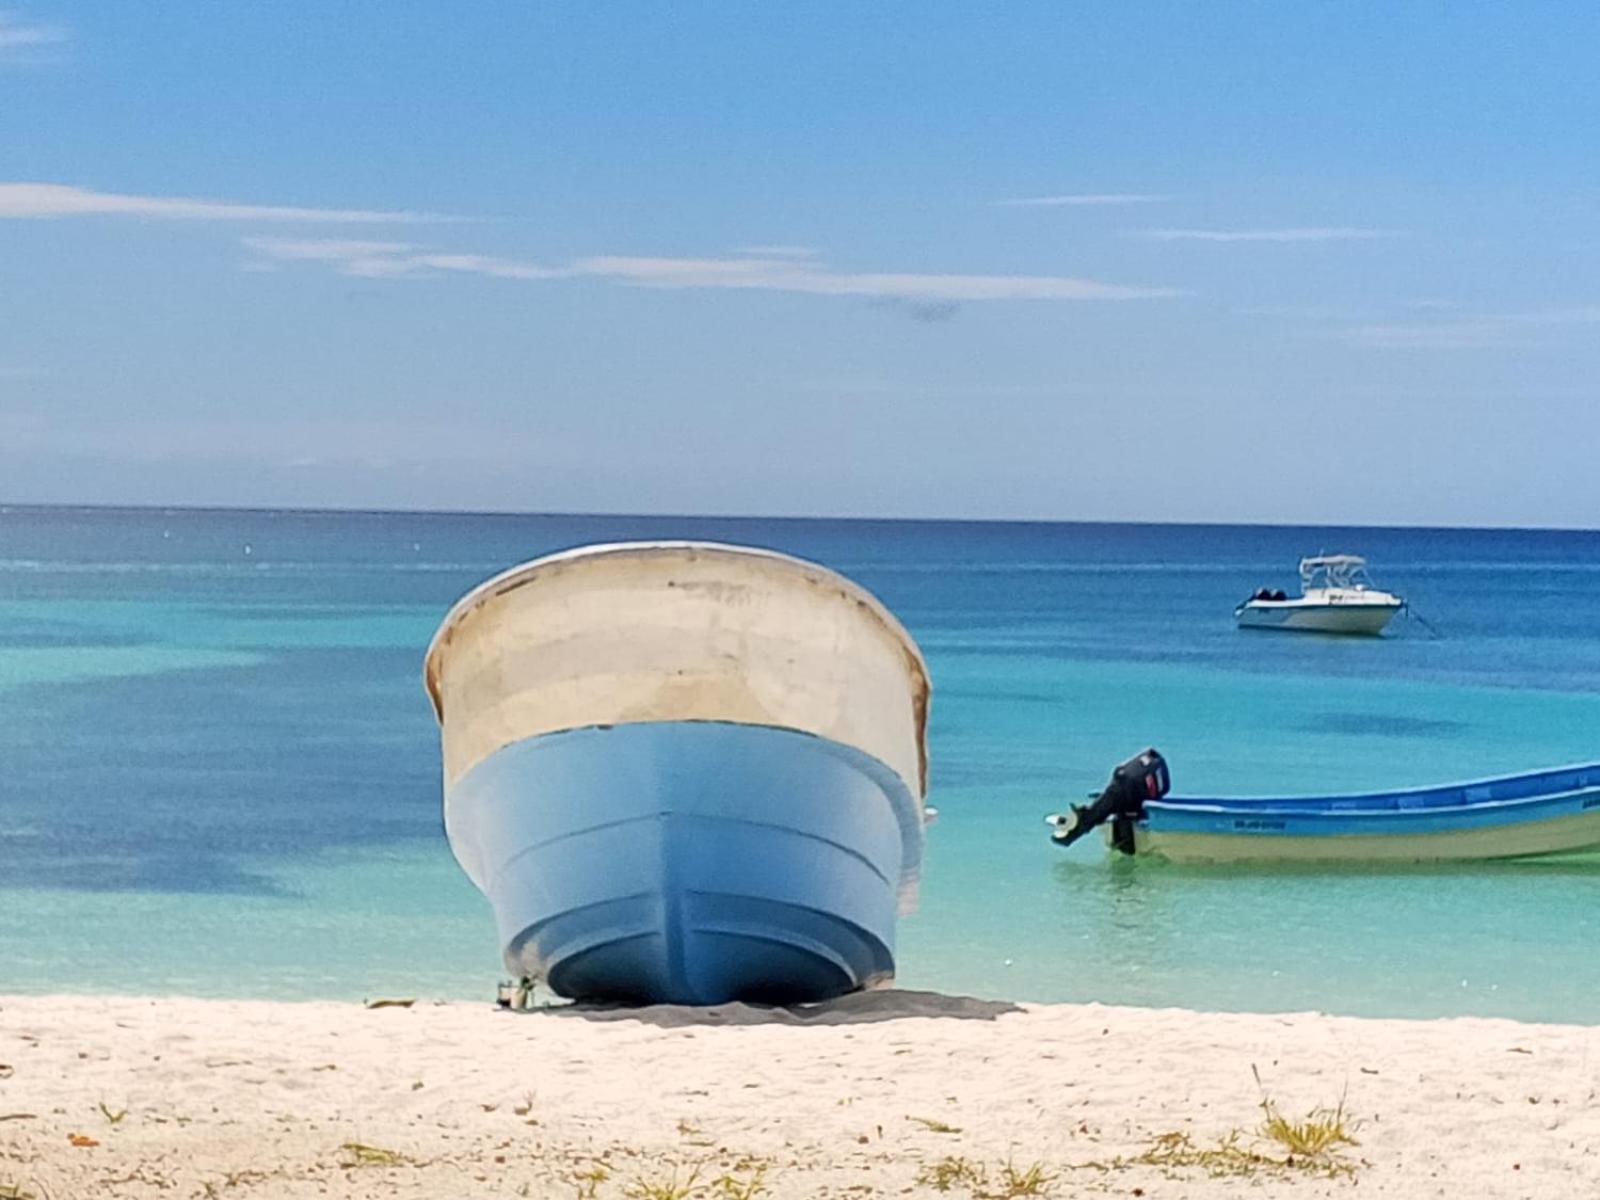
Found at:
[855, 1008]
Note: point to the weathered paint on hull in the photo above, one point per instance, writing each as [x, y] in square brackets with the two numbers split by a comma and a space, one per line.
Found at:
[1362, 620]
[690, 862]
[1565, 834]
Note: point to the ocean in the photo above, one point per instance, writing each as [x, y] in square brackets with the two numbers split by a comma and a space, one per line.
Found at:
[219, 773]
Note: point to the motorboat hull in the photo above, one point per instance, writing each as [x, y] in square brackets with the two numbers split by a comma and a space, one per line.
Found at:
[1357, 619]
[688, 862]
[1547, 812]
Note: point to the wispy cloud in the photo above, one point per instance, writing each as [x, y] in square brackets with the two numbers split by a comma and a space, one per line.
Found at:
[16, 34]
[1481, 334]
[348, 257]
[775, 275]
[1305, 312]
[41, 200]
[1083, 200]
[779, 251]
[396, 259]
[1517, 330]
[1587, 314]
[379, 260]
[1331, 233]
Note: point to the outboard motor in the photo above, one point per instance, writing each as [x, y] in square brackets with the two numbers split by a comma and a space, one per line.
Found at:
[1122, 803]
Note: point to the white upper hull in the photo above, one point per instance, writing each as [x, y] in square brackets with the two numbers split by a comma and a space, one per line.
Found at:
[1362, 612]
[658, 633]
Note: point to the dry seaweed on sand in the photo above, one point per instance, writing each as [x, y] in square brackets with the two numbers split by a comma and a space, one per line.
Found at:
[362, 1155]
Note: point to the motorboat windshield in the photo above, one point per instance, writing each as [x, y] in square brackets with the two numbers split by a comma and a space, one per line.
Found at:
[1329, 571]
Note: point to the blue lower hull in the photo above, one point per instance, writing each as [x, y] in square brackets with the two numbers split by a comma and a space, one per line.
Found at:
[688, 862]
[1509, 801]
[1546, 812]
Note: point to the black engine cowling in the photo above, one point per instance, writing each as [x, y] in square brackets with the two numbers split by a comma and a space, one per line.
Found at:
[1142, 778]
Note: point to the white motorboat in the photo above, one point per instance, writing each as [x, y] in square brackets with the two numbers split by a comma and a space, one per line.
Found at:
[1335, 597]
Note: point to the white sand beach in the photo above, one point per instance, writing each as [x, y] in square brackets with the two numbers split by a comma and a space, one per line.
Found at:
[884, 1094]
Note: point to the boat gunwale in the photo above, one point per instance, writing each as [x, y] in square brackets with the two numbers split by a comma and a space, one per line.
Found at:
[1320, 805]
[516, 576]
[1309, 602]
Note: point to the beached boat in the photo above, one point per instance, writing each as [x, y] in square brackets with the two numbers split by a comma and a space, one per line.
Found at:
[684, 772]
[1512, 816]
[1335, 597]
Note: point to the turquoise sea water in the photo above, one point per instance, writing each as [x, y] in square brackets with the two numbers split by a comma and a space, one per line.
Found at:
[219, 774]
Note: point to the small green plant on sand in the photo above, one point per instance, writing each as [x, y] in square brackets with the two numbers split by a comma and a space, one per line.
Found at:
[14, 1191]
[1311, 1146]
[113, 1118]
[934, 1126]
[363, 1155]
[1013, 1182]
[1228, 1159]
[664, 1189]
[1006, 1182]
[739, 1184]
[1318, 1136]
[588, 1181]
[951, 1171]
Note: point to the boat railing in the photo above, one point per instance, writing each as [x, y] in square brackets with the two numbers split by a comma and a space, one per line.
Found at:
[1335, 571]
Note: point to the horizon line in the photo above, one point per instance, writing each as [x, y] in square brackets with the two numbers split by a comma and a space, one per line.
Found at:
[7, 507]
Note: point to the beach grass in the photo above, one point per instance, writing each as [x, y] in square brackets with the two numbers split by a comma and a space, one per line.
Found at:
[1014, 1182]
[1278, 1146]
[649, 1187]
[1006, 1181]
[734, 1185]
[1319, 1135]
[588, 1181]
[949, 1172]
[363, 1155]
[745, 1179]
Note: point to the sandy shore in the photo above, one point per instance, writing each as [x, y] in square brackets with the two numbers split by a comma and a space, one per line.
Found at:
[880, 1095]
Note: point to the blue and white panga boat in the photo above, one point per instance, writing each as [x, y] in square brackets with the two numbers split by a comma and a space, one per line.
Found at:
[684, 772]
[1335, 597]
[1513, 816]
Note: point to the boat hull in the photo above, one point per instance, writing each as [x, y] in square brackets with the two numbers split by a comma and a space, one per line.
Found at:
[689, 862]
[1560, 835]
[1548, 812]
[1361, 620]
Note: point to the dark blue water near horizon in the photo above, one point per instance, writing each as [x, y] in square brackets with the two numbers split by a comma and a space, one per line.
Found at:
[219, 773]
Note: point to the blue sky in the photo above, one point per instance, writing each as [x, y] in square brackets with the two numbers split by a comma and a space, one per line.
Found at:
[1255, 262]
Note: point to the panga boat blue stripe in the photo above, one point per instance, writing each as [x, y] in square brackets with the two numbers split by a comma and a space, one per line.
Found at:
[684, 773]
[1514, 816]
